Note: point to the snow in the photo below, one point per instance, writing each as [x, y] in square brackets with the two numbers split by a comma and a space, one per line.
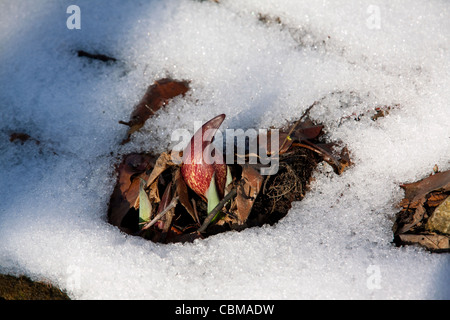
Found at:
[349, 56]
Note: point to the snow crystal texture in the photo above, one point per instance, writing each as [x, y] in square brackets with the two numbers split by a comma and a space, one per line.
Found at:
[262, 63]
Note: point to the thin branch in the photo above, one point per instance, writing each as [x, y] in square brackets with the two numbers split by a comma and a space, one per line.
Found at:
[297, 123]
[214, 211]
[194, 206]
[171, 205]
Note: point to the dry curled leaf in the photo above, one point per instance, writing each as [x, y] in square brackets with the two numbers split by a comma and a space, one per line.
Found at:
[423, 218]
[247, 192]
[154, 98]
[410, 219]
[133, 167]
[415, 191]
[163, 162]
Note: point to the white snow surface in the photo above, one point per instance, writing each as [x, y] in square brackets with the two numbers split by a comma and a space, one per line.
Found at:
[350, 56]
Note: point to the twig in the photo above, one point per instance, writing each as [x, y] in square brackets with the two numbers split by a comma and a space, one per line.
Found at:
[297, 123]
[213, 213]
[172, 204]
[100, 57]
[194, 206]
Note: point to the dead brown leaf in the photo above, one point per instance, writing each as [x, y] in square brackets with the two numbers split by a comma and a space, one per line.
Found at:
[163, 162]
[410, 220]
[166, 221]
[304, 132]
[247, 192]
[182, 193]
[433, 242]
[156, 96]
[419, 205]
[415, 191]
[133, 167]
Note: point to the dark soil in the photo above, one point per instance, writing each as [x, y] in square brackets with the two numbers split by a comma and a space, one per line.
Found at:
[22, 288]
[288, 185]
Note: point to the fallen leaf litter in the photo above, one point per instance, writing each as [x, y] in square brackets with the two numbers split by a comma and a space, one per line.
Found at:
[252, 199]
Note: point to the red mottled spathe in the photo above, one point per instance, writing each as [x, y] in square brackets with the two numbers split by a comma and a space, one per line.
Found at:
[196, 172]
